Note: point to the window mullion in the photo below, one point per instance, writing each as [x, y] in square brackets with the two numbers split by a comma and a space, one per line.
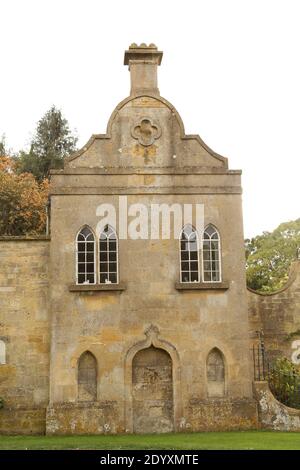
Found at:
[108, 258]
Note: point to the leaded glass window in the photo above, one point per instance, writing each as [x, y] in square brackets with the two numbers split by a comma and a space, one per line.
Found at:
[108, 256]
[85, 256]
[211, 258]
[189, 255]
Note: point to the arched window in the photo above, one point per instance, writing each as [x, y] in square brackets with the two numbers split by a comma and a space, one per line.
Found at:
[211, 255]
[189, 255]
[85, 256]
[2, 352]
[87, 377]
[108, 256]
[215, 374]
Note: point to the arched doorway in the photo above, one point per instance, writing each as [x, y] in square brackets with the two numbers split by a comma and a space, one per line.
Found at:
[152, 391]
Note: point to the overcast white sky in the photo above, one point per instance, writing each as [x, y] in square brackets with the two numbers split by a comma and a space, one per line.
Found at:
[230, 67]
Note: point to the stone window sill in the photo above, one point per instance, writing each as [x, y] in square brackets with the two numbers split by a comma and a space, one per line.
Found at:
[202, 285]
[97, 287]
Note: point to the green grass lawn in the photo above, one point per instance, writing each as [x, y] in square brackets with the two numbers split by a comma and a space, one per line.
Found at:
[211, 440]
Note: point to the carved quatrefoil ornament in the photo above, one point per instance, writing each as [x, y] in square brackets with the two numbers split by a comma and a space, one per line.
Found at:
[146, 131]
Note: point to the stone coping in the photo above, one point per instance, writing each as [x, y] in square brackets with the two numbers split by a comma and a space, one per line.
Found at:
[80, 404]
[97, 287]
[23, 407]
[184, 170]
[126, 190]
[24, 238]
[202, 285]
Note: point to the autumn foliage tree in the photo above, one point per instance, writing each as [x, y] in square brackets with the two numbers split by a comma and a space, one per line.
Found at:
[24, 185]
[22, 201]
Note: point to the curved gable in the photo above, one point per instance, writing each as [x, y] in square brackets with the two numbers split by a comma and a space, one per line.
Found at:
[145, 130]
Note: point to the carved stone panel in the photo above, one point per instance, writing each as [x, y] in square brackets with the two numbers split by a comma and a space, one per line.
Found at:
[152, 388]
[146, 131]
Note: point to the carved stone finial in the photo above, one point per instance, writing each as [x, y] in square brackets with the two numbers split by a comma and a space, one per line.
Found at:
[152, 331]
[143, 45]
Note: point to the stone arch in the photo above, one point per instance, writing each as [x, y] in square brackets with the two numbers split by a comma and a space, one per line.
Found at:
[153, 340]
[87, 377]
[215, 374]
[294, 271]
[145, 95]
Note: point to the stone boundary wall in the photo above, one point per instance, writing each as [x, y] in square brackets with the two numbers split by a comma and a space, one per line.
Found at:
[25, 331]
[22, 420]
[220, 415]
[277, 314]
[273, 414]
[104, 417]
[84, 418]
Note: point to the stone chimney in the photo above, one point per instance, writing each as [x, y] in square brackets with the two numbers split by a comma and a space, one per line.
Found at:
[142, 63]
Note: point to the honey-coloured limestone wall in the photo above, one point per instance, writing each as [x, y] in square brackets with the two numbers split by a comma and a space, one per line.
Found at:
[25, 330]
[110, 323]
[277, 316]
[147, 354]
[273, 414]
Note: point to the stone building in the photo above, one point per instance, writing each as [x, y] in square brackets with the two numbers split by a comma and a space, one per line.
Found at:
[102, 332]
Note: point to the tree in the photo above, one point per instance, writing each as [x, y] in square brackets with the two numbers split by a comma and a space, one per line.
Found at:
[22, 201]
[268, 256]
[2, 146]
[7, 163]
[52, 142]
